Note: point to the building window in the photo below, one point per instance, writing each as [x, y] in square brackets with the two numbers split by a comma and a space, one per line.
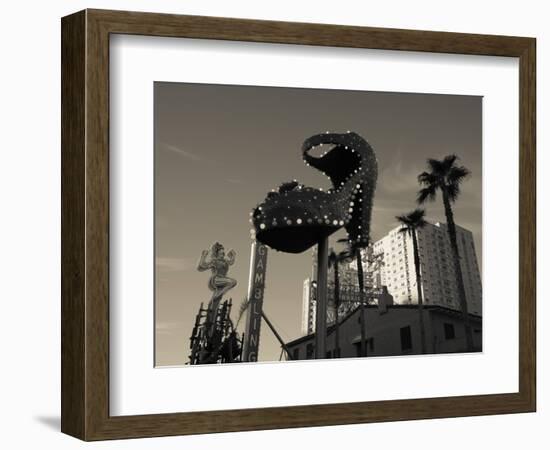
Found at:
[406, 338]
[296, 354]
[309, 351]
[449, 329]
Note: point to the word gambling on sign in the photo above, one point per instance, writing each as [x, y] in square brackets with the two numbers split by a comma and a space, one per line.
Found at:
[256, 285]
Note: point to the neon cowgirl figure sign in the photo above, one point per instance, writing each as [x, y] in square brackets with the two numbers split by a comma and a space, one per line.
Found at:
[219, 283]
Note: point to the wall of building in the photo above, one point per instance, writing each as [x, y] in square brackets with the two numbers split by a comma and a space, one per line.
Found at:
[440, 343]
[383, 332]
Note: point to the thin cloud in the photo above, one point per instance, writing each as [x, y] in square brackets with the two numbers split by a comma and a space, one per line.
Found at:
[399, 177]
[164, 264]
[180, 151]
[166, 327]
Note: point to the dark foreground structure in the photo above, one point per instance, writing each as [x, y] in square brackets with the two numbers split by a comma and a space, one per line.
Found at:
[394, 330]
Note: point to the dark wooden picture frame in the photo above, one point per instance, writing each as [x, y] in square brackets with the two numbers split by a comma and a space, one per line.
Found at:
[85, 224]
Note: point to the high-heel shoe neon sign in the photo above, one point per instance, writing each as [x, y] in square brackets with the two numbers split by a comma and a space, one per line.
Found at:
[295, 217]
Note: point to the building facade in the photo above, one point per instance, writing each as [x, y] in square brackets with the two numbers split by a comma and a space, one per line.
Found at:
[436, 267]
[393, 330]
[308, 307]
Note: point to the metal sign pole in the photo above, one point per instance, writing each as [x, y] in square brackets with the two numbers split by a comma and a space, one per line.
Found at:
[277, 335]
[321, 305]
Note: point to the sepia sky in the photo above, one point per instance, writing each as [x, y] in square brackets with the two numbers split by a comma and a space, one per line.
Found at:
[220, 149]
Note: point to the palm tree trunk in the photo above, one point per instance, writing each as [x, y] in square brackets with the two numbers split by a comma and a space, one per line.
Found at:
[419, 292]
[336, 306]
[451, 228]
[362, 303]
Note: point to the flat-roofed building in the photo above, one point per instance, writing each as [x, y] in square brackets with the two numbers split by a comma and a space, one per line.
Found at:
[393, 330]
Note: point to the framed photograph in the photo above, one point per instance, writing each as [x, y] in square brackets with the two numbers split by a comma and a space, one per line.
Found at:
[273, 225]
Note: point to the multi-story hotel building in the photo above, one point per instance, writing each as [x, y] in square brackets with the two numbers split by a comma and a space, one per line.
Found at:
[436, 267]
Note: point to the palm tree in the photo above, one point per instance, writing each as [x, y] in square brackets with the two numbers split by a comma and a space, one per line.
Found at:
[362, 300]
[377, 262]
[333, 262]
[411, 223]
[446, 176]
[334, 259]
[242, 309]
[355, 253]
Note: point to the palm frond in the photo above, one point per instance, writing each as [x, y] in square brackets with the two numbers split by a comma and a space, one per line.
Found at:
[448, 162]
[426, 193]
[453, 191]
[405, 230]
[457, 174]
[436, 166]
[347, 253]
[403, 219]
[346, 256]
[332, 257]
[412, 221]
[416, 217]
[242, 309]
[427, 179]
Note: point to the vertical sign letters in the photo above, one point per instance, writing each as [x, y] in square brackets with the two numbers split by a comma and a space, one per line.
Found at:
[256, 284]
